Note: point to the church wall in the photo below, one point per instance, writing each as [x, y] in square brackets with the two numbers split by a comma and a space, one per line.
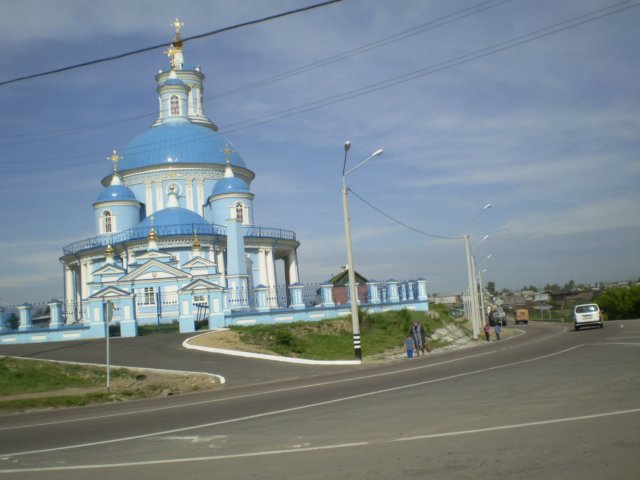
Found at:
[123, 217]
[223, 208]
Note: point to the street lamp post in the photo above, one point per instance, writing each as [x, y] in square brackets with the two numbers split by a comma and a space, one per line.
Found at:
[482, 307]
[472, 288]
[357, 345]
[480, 271]
[473, 291]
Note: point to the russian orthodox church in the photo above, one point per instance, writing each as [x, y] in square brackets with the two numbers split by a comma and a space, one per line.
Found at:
[174, 222]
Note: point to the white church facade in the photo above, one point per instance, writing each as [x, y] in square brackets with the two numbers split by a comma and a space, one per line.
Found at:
[176, 239]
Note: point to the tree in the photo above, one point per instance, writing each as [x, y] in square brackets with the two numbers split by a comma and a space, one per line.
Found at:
[620, 303]
[491, 288]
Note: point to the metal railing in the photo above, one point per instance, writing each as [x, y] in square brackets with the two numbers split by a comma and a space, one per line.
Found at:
[173, 231]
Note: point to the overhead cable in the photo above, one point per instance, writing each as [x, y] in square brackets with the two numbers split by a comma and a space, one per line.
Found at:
[421, 232]
[162, 45]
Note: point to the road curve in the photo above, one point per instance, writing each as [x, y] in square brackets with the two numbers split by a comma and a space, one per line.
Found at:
[552, 403]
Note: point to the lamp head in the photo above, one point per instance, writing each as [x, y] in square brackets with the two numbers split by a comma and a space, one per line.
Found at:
[487, 206]
[377, 153]
[347, 146]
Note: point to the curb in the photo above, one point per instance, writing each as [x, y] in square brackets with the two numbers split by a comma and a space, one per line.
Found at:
[262, 356]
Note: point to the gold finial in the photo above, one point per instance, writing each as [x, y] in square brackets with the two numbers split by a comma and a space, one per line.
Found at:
[115, 158]
[177, 25]
[152, 232]
[109, 251]
[196, 240]
[227, 151]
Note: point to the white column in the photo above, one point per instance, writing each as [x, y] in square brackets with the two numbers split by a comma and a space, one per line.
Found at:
[77, 284]
[262, 262]
[200, 197]
[221, 266]
[189, 195]
[69, 287]
[271, 278]
[271, 269]
[159, 196]
[84, 275]
[148, 197]
[293, 267]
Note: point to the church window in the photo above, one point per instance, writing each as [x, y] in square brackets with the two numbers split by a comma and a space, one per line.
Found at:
[175, 105]
[240, 212]
[200, 300]
[108, 223]
[149, 296]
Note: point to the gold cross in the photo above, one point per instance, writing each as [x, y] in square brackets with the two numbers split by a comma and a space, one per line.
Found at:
[227, 151]
[115, 158]
[177, 25]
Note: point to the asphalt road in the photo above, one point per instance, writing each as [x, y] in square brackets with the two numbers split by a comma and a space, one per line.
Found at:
[549, 404]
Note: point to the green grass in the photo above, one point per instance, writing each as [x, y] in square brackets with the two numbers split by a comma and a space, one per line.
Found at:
[32, 376]
[333, 340]
[19, 376]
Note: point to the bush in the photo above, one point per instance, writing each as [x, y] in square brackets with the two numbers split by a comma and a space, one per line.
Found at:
[620, 303]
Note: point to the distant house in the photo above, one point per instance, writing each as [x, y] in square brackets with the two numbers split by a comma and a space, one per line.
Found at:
[340, 284]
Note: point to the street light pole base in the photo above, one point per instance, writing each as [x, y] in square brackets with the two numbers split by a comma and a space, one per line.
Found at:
[357, 347]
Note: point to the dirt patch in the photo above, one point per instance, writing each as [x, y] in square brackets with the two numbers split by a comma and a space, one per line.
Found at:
[228, 340]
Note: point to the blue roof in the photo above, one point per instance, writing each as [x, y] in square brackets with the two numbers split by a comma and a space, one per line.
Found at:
[114, 193]
[174, 81]
[174, 216]
[230, 185]
[177, 141]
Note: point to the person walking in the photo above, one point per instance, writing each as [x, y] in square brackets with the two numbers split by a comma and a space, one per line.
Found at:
[409, 346]
[487, 332]
[496, 328]
[419, 337]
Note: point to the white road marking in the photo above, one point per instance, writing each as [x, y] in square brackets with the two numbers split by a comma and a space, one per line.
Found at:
[322, 447]
[268, 392]
[287, 410]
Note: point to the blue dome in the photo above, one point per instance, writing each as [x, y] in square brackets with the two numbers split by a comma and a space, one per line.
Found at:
[174, 216]
[114, 193]
[177, 141]
[230, 185]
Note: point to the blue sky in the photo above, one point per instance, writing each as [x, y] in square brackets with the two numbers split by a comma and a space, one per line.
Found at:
[548, 131]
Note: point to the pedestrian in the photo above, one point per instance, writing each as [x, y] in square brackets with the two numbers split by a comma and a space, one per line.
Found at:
[487, 331]
[497, 328]
[409, 346]
[419, 337]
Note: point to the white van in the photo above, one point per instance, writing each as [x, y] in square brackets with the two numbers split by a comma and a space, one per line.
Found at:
[587, 315]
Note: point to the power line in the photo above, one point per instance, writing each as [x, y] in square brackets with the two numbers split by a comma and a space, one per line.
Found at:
[430, 70]
[432, 24]
[393, 219]
[439, 22]
[154, 47]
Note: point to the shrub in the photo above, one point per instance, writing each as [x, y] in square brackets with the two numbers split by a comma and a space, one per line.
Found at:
[620, 303]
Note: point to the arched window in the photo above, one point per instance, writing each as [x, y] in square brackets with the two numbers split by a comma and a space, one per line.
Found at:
[175, 105]
[240, 212]
[108, 223]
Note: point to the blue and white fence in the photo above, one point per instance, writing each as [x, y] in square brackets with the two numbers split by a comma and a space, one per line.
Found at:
[57, 321]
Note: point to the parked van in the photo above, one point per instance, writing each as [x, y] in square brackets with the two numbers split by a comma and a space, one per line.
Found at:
[522, 315]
